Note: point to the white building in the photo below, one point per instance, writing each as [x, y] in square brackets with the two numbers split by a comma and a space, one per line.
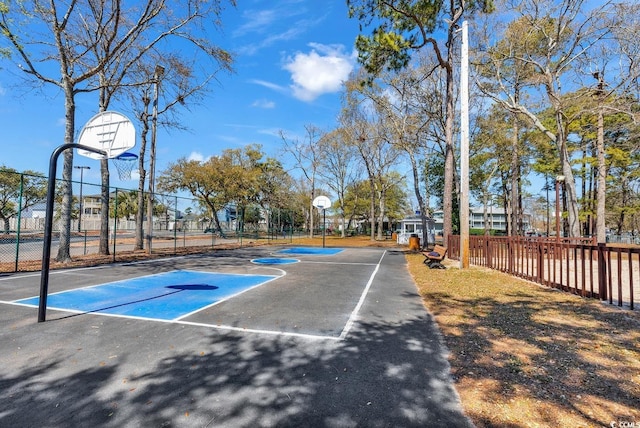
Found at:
[413, 226]
[497, 219]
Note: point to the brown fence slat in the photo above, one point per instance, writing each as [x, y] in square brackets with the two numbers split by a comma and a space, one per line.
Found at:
[576, 265]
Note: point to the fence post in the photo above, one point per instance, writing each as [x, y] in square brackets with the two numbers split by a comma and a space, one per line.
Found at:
[602, 271]
[540, 262]
[18, 229]
[175, 226]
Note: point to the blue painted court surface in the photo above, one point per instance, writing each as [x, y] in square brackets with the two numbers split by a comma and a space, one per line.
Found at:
[165, 296]
[274, 261]
[311, 251]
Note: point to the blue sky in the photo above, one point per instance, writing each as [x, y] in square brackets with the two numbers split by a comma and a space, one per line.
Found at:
[291, 58]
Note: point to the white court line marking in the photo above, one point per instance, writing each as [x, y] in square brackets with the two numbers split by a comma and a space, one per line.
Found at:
[258, 331]
[53, 272]
[229, 297]
[339, 263]
[73, 271]
[190, 323]
[354, 314]
[78, 271]
[350, 322]
[13, 302]
[120, 281]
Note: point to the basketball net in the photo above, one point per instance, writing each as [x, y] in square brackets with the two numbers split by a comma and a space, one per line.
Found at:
[125, 163]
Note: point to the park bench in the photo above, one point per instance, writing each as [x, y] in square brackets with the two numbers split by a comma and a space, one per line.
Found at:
[434, 258]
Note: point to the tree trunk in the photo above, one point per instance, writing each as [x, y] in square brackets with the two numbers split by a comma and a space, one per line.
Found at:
[449, 167]
[565, 163]
[520, 216]
[514, 231]
[216, 220]
[570, 190]
[103, 246]
[508, 210]
[593, 176]
[419, 198]
[104, 208]
[506, 201]
[381, 205]
[139, 245]
[64, 254]
[313, 196]
[485, 213]
[372, 209]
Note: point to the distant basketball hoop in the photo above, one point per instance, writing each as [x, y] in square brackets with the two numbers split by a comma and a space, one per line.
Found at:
[323, 203]
[108, 131]
[125, 164]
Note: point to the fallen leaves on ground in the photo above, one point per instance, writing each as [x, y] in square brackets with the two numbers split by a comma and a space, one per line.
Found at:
[527, 356]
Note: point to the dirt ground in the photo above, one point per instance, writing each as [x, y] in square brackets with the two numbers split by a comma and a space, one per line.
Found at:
[523, 355]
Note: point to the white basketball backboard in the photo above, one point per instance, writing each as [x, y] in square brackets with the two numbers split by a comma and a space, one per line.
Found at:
[322, 202]
[110, 131]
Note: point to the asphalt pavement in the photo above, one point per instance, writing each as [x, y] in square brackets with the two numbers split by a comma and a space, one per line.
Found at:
[336, 341]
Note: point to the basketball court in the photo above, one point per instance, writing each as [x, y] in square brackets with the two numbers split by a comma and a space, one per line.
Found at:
[293, 291]
[252, 337]
[261, 336]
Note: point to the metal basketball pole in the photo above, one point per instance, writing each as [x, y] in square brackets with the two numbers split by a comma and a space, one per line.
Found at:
[324, 225]
[48, 223]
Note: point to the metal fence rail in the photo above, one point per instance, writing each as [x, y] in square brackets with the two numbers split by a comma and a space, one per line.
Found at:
[178, 223]
[608, 272]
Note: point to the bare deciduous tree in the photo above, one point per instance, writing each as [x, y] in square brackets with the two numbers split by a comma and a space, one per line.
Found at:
[551, 36]
[404, 27]
[82, 40]
[366, 130]
[308, 159]
[340, 168]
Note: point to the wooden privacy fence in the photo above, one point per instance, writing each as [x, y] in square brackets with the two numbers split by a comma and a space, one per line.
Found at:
[577, 265]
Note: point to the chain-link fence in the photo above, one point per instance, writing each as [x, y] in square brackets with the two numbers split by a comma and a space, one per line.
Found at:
[177, 223]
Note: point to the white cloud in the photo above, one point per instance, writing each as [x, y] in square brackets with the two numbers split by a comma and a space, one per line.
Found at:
[262, 103]
[261, 21]
[274, 132]
[195, 156]
[285, 20]
[268, 85]
[256, 21]
[321, 71]
[272, 39]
